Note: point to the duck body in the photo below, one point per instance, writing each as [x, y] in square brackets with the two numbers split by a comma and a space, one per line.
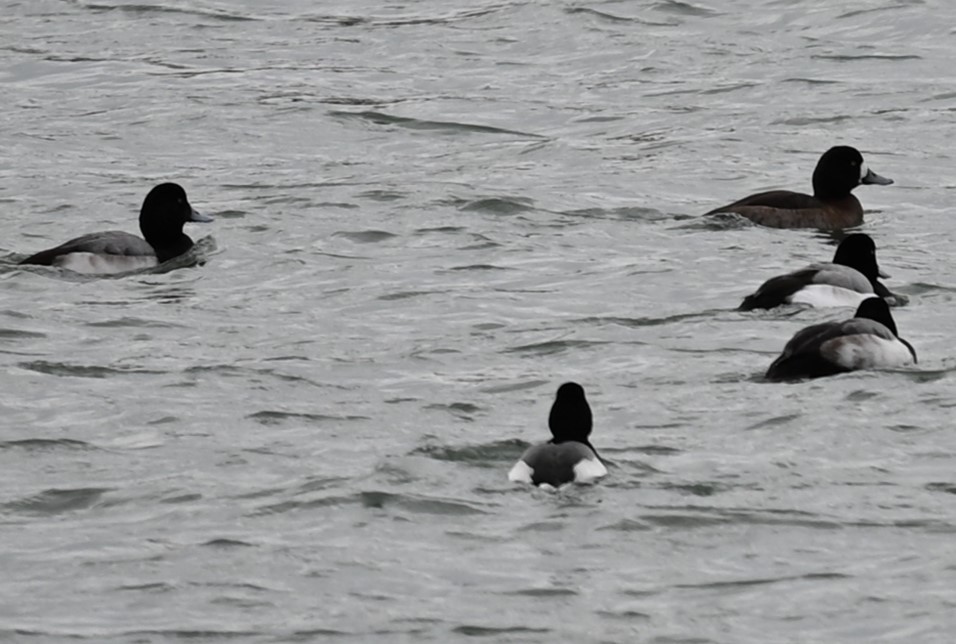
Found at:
[112, 251]
[785, 209]
[556, 464]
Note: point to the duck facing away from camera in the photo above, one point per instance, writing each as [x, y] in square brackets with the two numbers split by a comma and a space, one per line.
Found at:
[568, 457]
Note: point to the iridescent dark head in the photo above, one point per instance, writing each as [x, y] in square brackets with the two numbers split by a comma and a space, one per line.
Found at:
[840, 170]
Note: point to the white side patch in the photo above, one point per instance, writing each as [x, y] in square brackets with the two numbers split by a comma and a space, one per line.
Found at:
[589, 469]
[521, 473]
[863, 171]
[868, 352]
[824, 295]
[101, 264]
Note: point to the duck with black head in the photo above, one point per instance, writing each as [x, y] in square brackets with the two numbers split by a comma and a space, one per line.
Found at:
[868, 340]
[831, 207]
[165, 210]
[569, 456]
[852, 277]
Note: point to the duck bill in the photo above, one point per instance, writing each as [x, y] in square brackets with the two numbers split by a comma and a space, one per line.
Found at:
[884, 274]
[871, 178]
[195, 215]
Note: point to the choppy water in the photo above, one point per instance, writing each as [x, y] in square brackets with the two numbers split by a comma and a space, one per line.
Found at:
[429, 215]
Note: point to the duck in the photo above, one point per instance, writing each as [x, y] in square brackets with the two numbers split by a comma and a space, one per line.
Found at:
[569, 456]
[165, 210]
[868, 340]
[850, 278]
[831, 207]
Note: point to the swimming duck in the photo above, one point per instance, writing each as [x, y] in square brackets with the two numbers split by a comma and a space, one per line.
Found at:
[852, 277]
[161, 220]
[568, 456]
[869, 340]
[831, 207]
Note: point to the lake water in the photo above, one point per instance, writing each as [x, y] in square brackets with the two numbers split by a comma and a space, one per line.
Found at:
[429, 215]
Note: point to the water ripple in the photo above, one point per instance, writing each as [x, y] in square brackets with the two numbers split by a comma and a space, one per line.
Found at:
[57, 501]
[275, 417]
[101, 7]
[448, 127]
[80, 371]
[44, 444]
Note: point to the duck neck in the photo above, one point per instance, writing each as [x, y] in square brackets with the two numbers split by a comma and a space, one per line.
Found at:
[172, 247]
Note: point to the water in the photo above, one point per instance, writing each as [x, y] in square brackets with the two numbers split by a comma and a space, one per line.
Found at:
[429, 215]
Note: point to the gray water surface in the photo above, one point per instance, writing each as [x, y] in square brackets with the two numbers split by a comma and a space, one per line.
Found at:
[429, 215]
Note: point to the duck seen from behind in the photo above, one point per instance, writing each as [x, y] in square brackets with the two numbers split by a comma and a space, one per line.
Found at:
[852, 277]
[831, 207]
[869, 340]
[568, 456]
[165, 210]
